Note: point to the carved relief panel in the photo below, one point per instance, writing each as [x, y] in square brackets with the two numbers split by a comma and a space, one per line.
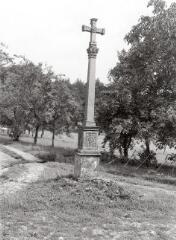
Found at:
[90, 140]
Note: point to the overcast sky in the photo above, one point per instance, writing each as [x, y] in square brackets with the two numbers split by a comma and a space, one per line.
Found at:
[49, 31]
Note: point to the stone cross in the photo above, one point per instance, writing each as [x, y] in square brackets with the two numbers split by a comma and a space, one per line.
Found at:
[87, 157]
[92, 53]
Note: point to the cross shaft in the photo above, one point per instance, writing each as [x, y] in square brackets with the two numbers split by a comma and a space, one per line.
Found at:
[92, 53]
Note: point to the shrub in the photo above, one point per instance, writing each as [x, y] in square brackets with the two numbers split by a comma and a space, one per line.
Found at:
[172, 157]
[68, 152]
[105, 157]
[148, 158]
[66, 155]
[47, 156]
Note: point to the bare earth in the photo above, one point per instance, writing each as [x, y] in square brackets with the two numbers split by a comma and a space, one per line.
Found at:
[41, 201]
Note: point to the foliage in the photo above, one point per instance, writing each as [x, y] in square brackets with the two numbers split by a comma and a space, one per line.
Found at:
[33, 97]
[63, 108]
[148, 158]
[100, 87]
[141, 97]
[25, 94]
[172, 157]
[4, 57]
[47, 157]
[78, 89]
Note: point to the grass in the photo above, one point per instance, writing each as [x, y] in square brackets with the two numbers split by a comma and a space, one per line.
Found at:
[150, 174]
[87, 209]
[63, 151]
[122, 202]
[65, 148]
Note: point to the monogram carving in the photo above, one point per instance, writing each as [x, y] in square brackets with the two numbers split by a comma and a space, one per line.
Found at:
[91, 140]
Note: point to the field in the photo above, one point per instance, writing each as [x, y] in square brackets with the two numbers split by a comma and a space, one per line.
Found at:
[42, 200]
[64, 141]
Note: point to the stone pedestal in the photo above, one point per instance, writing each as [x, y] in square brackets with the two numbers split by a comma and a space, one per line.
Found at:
[87, 157]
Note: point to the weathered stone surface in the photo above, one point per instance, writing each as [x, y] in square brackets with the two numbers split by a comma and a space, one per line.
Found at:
[85, 165]
[91, 72]
[88, 139]
[87, 158]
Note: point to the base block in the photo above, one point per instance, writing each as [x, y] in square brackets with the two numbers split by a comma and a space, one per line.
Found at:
[88, 156]
[86, 165]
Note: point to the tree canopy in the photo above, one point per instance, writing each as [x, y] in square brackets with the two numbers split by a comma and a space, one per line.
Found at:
[142, 93]
[33, 97]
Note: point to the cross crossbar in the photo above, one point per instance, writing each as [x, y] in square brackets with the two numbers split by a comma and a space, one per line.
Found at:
[93, 28]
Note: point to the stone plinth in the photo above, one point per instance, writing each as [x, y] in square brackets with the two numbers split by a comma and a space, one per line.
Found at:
[85, 165]
[87, 157]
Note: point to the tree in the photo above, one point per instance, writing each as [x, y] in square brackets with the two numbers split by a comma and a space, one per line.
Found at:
[39, 96]
[78, 89]
[25, 95]
[62, 108]
[143, 88]
[100, 88]
[4, 57]
[115, 119]
[4, 61]
[14, 106]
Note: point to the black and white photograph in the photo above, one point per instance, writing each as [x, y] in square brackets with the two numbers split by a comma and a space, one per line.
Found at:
[87, 120]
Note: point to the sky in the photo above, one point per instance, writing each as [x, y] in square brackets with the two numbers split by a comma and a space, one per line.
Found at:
[49, 31]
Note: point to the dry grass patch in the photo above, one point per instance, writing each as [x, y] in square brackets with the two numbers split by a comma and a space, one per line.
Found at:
[88, 209]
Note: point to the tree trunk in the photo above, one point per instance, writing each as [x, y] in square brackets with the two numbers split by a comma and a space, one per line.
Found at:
[147, 151]
[42, 134]
[120, 152]
[16, 138]
[126, 145]
[53, 136]
[15, 134]
[125, 151]
[36, 134]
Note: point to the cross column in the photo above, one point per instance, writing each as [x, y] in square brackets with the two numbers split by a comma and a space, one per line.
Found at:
[87, 158]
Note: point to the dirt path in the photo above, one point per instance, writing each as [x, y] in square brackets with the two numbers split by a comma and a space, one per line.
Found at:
[24, 155]
[6, 161]
[16, 174]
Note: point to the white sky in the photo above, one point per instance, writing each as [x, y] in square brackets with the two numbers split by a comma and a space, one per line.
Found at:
[49, 31]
